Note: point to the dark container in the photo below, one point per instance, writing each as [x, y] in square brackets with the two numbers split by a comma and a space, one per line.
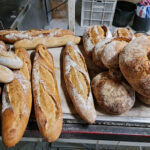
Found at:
[123, 13]
[141, 24]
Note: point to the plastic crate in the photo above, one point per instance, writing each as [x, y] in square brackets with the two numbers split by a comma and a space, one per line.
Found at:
[97, 12]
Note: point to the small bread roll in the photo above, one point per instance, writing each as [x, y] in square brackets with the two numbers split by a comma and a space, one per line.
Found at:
[93, 35]
[96, 54]
[134, 62]
[112, 93]
[124, 33]
[110, 54]
[2, 46]
[10, 60]
[139, 35]
[6, 75]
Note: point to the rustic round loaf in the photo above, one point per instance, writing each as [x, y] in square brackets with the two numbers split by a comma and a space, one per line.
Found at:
[112, 93]
[93, 35]
[143, 99]
[134, 62]
[110, 54]
[125, 33]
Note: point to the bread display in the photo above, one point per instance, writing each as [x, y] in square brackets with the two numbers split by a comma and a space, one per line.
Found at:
[124, 33]
[78, 83]
[16, 102]
[47, 103]
[2, 46]
[6, 75]
[11, 36]
[112, 93]
[135, 65]
[10, 60]
[93, 35]
[48, 41]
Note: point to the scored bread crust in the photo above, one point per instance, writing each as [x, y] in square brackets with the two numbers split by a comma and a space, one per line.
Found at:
[134, 63]
[16, 102]
[47, 103]
[11, 36]
[93, 35]
[112, 93]
[78, 83]
[47, 41]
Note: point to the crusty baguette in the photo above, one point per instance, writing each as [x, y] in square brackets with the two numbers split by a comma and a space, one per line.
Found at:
[48, 41]
[78, 83]
[47, 103]
[10, 60]
[6, 75]
[11, 36]
[16, 102]
[2, 46]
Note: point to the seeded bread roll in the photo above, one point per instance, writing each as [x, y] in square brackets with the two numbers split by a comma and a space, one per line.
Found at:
[78, 83]
[11, 36]
[47, 103]
[93, 35]
[16, 102]
[112, 93]
[135, 64]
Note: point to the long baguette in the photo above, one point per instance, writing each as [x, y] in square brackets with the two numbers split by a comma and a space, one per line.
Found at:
[48, 42]
[78, 83]
[16, 102]
[46, 98]
[11, 36]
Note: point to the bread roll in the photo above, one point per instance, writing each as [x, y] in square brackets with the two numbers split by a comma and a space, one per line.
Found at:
[96, 54]
[112, 93]
[93, 35]
[78, 83]
[110, 54]
[135, 65]
[2, 46]
[16, 102]
[47, 103]
[124, 33]
[6, 75]
[11, 36]
[10, 60]
[48, 41]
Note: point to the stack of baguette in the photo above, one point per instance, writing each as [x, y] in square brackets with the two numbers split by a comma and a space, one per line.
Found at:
[15, 69]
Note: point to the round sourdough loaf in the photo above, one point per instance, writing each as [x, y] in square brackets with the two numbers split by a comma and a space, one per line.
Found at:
[112, 93]
[134, 62]
[93, 35]
[143, 99]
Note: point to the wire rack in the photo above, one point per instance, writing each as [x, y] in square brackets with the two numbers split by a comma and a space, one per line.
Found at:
[97, 12]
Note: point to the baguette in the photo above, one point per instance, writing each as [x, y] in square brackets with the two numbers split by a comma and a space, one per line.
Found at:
[11, 36]
[47, 104]
[10, 60]
[16, 102]
[48, 41]
[6, 75]
[78, 83]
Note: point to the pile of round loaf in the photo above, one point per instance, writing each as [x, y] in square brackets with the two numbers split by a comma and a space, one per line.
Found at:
[123, 53]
